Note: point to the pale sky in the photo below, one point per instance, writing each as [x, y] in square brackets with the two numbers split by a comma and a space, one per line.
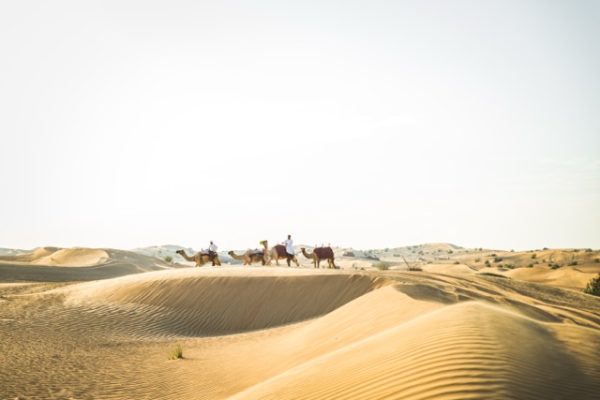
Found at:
[357, 123]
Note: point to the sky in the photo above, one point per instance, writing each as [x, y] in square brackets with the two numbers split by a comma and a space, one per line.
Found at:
[365, 124]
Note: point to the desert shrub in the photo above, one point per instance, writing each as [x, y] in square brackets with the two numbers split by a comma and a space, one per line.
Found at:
[575, 250]
[497, 259]
[593, 286]
[554, 266]
[493, 255]
[597, 260]
[348, 254]
[588, 250]
[456, 262]
[509, 266]
[168, 259]
[574, 262]
[533, 256]
[382, 265]
[487, 263]
[477, 259]
[176, 353]
[530, 266]
[450, 252]
[545, 248]
[512, 250]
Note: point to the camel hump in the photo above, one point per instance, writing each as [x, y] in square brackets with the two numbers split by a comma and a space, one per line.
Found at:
[280, 249]
[324, 252]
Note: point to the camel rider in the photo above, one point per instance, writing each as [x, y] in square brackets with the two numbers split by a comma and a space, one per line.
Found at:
[212, 252]
[289, 249]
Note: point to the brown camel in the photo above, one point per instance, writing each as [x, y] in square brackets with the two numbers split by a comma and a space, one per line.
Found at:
[277, 253]
[200, 258]
[250, 256]
[318, 254]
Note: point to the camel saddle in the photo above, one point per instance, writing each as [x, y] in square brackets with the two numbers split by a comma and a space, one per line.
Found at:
[256, 252]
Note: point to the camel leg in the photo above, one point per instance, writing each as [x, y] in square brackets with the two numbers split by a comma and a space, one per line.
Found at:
[296, 261]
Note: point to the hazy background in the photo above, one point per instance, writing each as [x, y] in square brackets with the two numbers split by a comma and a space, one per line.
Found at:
[355, 123]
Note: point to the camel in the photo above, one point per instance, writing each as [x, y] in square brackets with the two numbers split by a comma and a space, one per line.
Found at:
[250, 256]
[200, 258]
[277, 253]
[318, 254]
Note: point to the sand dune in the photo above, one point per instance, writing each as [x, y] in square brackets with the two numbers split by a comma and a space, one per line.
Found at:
[195, 302]
[53, 264]
[475, 355]
[289, 333]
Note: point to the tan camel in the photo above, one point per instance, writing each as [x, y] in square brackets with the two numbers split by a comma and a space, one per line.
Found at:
[200, 258]
[318, 254]
[277, 253]
[250, 256]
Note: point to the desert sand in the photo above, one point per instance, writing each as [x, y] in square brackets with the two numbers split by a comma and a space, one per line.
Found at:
[102, 323]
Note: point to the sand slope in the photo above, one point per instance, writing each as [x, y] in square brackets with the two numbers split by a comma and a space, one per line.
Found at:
[283, 333]
[53, 264]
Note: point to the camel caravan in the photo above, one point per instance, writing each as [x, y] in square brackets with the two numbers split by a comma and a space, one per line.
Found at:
[265, 255]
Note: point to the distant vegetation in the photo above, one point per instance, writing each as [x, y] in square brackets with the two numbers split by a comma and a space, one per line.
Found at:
[382, 265]
[169, 259]
[593, 286]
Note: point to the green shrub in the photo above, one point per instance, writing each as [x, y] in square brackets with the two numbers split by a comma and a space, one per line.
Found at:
[554, 266]
[574, 262]
[487, 263]
[593, 286]
[168, 259]
[450, 252]
[533, 256]
[588, 250]
[382, 265]
[176, 353]
[497, 259]
[530, 266]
